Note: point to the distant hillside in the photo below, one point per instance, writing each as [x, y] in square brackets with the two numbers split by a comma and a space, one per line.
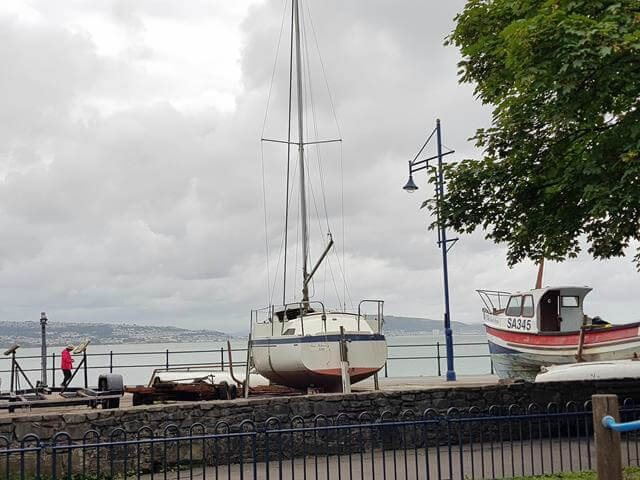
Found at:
[27, 334]
[419, 326]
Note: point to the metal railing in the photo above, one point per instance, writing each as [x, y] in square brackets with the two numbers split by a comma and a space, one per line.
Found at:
[108, 361]
[464, 443]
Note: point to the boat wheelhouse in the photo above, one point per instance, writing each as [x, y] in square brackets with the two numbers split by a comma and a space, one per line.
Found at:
[548, 326]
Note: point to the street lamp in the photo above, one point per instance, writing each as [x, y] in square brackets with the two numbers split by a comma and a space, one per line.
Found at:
[416, 165]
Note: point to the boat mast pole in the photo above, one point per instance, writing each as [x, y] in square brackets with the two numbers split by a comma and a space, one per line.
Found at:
[286, 214]
[303, 192]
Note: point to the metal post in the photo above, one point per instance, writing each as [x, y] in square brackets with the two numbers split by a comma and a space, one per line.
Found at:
[110, 361]
[167, 359]
[247, 372]
[344, 363]
[13, 371]
[221, 358]
[608, 448]
[86, 373]
[43, 349]
[438, 355]
[301, 164]
[386, 371]
[53, 370]
[451, 374]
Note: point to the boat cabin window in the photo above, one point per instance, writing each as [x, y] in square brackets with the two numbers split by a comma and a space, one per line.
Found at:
[570, 301]
[527, 306]
[289, 331]
[515, 306]
[293, 312]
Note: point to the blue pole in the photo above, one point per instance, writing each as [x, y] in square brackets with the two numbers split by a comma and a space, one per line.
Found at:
[451, 374]
[609, 422]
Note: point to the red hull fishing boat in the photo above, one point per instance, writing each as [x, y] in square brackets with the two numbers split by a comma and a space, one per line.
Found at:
[547, 326]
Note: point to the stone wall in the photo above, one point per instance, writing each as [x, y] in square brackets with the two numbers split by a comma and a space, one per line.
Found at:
[209, 413]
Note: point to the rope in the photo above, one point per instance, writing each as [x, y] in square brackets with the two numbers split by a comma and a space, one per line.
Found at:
[346, 292]
[324, 73]
[264, 194]
[275, 63]
[266, 229]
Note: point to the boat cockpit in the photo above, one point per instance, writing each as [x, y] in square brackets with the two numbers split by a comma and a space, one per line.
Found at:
[312, 317]
[549, 309]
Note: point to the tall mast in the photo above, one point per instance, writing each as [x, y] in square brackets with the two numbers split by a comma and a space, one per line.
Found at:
[303, 191]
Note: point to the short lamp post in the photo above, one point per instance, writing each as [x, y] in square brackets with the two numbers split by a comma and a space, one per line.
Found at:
[416, 165]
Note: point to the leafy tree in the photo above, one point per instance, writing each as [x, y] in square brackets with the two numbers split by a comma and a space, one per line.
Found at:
[561, 157]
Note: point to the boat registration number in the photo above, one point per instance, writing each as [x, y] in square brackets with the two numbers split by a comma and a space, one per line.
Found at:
[519, 324]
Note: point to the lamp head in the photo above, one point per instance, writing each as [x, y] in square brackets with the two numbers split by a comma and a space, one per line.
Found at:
[410, 186]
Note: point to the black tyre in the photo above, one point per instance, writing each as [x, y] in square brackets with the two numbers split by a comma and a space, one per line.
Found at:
[233, 392]
[112, 403]
[224, 392]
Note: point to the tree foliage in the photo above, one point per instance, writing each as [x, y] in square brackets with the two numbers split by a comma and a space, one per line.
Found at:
[561, 157]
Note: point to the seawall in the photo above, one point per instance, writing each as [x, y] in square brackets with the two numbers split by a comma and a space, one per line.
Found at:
[308, 407]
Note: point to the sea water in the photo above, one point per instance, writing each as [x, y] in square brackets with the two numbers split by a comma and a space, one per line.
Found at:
[409, 356]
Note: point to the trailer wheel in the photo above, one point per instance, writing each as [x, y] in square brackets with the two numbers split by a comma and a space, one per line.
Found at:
[233, 392]
[224, 392]
[111, 403]
[137, 399]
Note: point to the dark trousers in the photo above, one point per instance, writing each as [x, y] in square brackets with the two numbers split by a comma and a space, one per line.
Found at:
[67, 377]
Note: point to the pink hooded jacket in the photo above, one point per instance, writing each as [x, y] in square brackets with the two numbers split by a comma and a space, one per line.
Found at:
[67, 361]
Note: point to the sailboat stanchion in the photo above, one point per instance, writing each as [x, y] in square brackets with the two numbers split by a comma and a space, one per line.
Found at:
[344, 363]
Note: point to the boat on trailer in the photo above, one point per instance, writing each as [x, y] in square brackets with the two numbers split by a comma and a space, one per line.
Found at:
[304, 344]
[547, 326]
[300, 345]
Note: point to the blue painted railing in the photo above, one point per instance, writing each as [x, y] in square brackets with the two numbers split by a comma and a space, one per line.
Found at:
[609, 422]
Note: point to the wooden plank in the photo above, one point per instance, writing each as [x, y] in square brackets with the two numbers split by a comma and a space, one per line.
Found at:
[608, 450]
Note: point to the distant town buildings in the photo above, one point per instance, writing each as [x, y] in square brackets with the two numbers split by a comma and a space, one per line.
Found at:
[27, 334]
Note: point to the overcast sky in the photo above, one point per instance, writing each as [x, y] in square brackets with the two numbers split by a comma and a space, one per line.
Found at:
[131, 185]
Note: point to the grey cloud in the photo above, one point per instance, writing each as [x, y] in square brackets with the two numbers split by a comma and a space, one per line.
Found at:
[151, 213]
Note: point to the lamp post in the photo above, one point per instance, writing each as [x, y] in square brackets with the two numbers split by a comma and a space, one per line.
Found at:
[416, 165]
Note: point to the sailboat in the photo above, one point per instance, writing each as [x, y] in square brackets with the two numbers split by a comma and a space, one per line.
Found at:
[304, 344]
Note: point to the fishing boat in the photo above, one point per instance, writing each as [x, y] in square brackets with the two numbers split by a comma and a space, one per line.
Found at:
[547, 326]
[304, 344]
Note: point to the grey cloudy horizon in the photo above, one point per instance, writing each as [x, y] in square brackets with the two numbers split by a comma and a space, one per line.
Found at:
[130, 162]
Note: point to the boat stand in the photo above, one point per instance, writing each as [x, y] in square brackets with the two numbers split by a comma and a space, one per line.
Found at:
[344, 363]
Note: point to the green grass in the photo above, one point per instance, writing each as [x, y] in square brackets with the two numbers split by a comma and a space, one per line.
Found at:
[631, 473]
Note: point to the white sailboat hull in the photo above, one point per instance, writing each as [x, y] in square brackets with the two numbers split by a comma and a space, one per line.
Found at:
[313, 360]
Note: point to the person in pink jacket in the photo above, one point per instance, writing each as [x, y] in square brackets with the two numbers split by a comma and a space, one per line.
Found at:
[66, 364]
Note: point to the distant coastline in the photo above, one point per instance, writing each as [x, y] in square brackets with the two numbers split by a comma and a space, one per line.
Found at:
[27, 334]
